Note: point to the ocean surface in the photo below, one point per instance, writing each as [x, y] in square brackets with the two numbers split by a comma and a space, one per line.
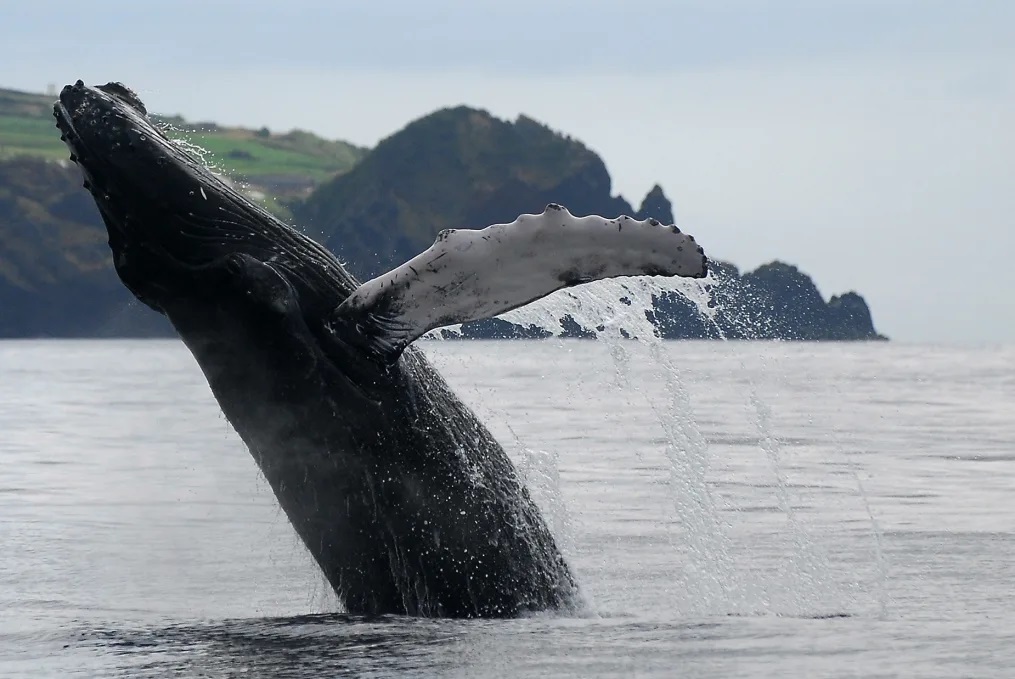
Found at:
[730, 509]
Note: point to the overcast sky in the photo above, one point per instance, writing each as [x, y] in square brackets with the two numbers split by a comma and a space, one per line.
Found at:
[870, 143]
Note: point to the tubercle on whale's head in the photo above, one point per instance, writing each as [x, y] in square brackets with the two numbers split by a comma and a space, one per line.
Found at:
[122, 92]
[167, 213]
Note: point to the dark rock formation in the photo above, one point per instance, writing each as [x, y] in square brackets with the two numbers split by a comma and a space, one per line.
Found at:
[775, 301]
[656, 206]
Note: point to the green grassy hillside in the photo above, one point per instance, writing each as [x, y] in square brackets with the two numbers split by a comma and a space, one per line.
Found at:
[283, 167]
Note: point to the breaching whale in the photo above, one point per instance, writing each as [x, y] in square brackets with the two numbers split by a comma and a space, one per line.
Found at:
[402, 496]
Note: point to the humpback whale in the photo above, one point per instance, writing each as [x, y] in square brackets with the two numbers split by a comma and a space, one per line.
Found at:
[401, 495]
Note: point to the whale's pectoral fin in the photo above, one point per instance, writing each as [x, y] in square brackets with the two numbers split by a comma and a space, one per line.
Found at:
[468, 275]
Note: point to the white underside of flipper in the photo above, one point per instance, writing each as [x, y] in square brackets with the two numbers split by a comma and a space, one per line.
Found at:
[468, 275]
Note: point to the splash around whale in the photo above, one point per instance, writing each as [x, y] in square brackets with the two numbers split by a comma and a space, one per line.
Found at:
[402, 496]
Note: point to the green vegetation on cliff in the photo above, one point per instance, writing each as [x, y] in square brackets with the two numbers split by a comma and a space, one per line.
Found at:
[26, 126]
[284, 167]
[55, 272]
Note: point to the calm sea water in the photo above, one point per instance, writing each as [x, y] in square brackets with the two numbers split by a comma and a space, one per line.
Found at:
[731, 510]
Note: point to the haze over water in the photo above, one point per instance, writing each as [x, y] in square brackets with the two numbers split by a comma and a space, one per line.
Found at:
[845, 511]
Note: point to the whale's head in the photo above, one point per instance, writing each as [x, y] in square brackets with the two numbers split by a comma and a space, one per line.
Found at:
[243, 289]
[170, 219]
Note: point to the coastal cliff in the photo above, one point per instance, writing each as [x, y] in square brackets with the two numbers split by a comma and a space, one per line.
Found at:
[455, 168]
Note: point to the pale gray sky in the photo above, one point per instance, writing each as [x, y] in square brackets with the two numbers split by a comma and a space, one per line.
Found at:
[871, 143]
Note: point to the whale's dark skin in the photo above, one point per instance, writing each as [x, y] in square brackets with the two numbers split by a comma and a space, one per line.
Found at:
[402, 496]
